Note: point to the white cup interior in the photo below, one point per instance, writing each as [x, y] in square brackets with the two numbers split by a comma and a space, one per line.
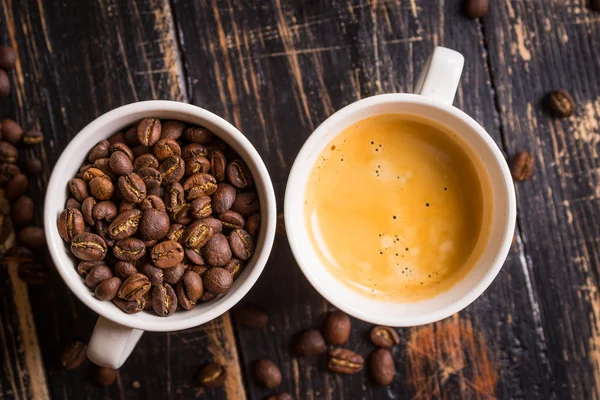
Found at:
[474, 283]
[103, 127]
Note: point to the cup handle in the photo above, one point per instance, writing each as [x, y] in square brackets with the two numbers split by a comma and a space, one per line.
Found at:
[112, 343]
[441, 75]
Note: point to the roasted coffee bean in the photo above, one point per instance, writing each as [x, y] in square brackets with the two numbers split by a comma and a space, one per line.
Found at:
[32, 237]
[104, 165]
[33, 165]
[97, 275]
[104, 376]
[172, 169]
[124, 269]
[155, 275]
[251, 316]
[125, 225]
[253, 225]
[120, 163]
[154, 224]
[345, 361]
[141, 150]
[166, 147]
[33, 137]
[200, 207]
[145, 161]
[234, 267]
[132, 187]
[70, 223]
[215, 224]
[84, 267]
[267, 373]
[73, 203]
[130, 307]
[134, 287]
[232, 220]
[159, 191]
[92, 173]
[108, 289]
[118, 137]
[130, 249]
[167, 254]
[197, 234]
[217, 280]
[246, 204]
[212, 375]
[218, 164]
[4, 84]
[223, 198]
[19, 254]
[4, 206]
[173, 275]
[8, 172]
[73, 355]
[105, 210]
[88, 247]
[241, 244]
[174, 199]
[151, 177]
[33, 273]
[122, 148]
[310, 343]
[175, 233]
[101, 188]
[522, 166]
[126, 206]
[101, 228]
[382, 367]
[337, 328]
[172, 129]
[238, 174]
[11, 131]
[194, 256]
[561, 103]
[23, 211]
[199, 184]
[196, 164]
[189, 289]
[198, 135]
[199, 269]
[476, 8]
[384, 337]
[281, 396]
[164, 300]
[148, 131]
[8, 57]
[183, 216]
[207, 296]
[131, 138]
[193, 150]
[16, 187]
[216, 251]
[87, 210]
[99, 151]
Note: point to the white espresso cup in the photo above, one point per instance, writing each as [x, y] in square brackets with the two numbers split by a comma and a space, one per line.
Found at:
[435, 92]
[116, 333]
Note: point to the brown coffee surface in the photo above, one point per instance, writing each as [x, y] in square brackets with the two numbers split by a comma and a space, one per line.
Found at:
[397, 209]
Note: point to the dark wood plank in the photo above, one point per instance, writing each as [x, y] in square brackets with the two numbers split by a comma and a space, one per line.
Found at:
[276, 70]
[78, 60]
[534, 50]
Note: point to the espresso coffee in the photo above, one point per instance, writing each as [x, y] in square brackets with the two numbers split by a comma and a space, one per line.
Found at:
[398, 208]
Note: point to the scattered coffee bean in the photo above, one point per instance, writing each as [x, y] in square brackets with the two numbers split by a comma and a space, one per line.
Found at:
[345, 361]
[223, 198]
[172, 169]
[148, 131]
[246, 204]
[172, 129]
[8, 172]
[134, 287]
[4, 84]
[561, 103]
[23, 211]
[108, 289]
[104, 376]
[310, 343]
[212, 375]
[253, 225]
[33, 165]
[197, 234]
[84, 267]
[130, 249]
[241, 244]
[216, 251]
[124, 269]
[73, 355]
[476, 8]
[33, 273]
[382, 367]
[522, 166]
[217, 280]
[16, 187]
[88, 247]
[384, 337]
[33, 137]
[192, 150]
[164, 300]
[166, 147]
[145, 161]
[199, 185]
[154, 274]
[251, 316]
[32, 237]
[132, 187]
[78, 189]
[8, 57]
[173, 275]
[104, 210]
[198, 135]
[8, 153]
[70, 223]
[11, 131]
[120, 163]
[218, 165]
[125, 225]
[167, 254]
[87, 210]
[189, 289]
[238, 174]
[19, 254]
[281, 396]
[337, 328]
[196, 164]
[97, 275]
[99, 151]
[267, 373]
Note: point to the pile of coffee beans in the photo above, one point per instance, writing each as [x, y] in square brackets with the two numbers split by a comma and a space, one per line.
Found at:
[161, 216]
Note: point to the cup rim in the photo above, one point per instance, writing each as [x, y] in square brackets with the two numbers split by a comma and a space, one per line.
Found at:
[330, 124]
[83, 139]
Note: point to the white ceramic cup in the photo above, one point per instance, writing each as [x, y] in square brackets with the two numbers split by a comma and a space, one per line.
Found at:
[117, 333]
[436, 89]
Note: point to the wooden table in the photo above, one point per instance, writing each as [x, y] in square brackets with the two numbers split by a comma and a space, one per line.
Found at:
[276, 69]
